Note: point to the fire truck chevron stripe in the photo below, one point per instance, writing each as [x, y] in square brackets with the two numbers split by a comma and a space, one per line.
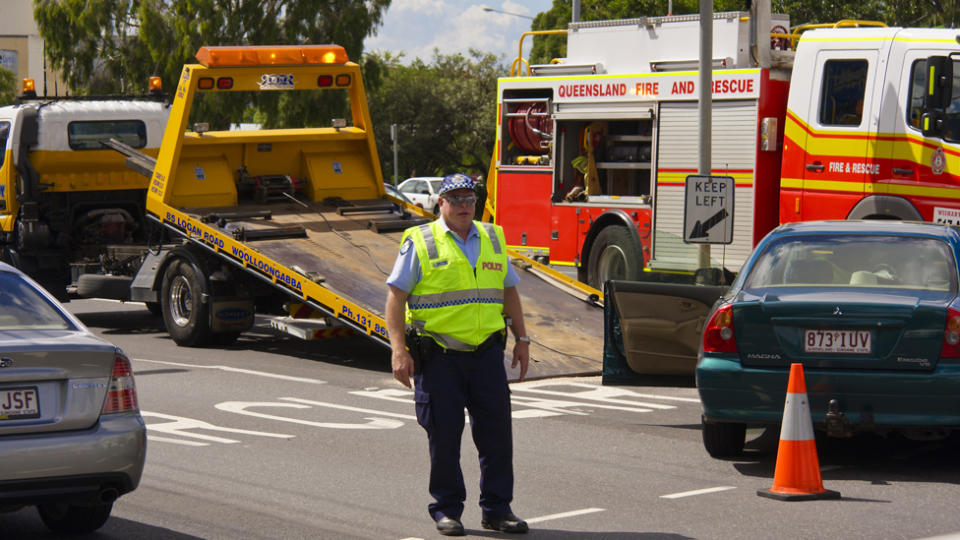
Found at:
[801, 136]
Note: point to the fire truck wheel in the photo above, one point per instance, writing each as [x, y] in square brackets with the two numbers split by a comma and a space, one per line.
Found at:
[616, 254]
[184, 315]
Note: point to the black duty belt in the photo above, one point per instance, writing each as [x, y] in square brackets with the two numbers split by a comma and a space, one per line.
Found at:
[496, 339]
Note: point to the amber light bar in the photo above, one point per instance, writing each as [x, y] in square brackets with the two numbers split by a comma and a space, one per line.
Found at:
[271, 55]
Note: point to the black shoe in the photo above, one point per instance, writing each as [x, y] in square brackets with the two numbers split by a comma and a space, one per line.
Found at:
[507, 523]
[449, 526]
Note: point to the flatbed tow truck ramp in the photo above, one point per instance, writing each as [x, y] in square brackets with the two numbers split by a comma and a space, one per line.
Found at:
[335, 246]
[300, 215]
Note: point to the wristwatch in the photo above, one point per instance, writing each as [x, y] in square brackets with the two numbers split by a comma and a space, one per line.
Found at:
[525, 339]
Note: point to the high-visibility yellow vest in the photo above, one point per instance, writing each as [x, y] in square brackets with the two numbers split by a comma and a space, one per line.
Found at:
[455, 305]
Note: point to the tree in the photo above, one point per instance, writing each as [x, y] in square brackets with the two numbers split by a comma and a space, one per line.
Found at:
[8, 86]
[110, 46]
[445, 111]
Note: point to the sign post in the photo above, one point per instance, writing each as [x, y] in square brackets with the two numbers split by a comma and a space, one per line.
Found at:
[708, 210]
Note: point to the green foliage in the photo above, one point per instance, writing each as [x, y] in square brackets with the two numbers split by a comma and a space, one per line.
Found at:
[923, 13]
[8, 87]
[445, 112]
[114, 46]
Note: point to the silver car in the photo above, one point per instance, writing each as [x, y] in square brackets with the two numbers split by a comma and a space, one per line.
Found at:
[71, 436]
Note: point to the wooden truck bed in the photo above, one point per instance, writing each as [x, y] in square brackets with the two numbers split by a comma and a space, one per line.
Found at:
[350, 247]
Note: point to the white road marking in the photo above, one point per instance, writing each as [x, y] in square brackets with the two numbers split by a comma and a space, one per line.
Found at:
[349, 408]
[240, 407]
[179, 425]
[534, 413]
[697, 492]
[562, 515]
[567, 406]
[541, 519]
[594, 392]
[237, 370]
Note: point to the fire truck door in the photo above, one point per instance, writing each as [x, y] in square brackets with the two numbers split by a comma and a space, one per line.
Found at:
[838, 168]
[922, 168]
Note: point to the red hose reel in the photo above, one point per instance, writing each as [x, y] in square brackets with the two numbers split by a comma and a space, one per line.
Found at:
[533, 126]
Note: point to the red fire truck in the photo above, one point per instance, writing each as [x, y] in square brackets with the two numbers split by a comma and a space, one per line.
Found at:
[592, 151]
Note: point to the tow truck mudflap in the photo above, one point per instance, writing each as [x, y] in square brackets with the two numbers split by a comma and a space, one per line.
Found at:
[231, 314]
[653, 330]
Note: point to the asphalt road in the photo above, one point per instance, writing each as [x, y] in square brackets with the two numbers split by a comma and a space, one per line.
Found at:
[278, 438]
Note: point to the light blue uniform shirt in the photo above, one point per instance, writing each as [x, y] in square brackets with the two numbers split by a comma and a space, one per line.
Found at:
[406, 269]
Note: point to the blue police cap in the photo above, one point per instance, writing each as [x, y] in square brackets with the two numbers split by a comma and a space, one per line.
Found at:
[456, 181]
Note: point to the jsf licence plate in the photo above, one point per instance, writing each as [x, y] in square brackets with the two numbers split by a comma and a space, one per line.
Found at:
[836, 341]
[18, 403]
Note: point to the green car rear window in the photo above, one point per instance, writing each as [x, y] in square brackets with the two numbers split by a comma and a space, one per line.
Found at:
[858, 261]
[23, 308]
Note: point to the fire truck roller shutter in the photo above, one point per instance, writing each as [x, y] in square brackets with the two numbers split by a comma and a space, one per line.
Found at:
[885, 207]
[612, 250]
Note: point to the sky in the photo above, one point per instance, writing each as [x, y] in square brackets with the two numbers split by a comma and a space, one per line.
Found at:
[416, 27]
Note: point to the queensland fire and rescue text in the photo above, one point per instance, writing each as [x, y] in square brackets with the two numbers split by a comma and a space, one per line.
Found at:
[689, 87]
[684, 87]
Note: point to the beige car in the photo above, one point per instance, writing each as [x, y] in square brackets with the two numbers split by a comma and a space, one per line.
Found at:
[71, 436]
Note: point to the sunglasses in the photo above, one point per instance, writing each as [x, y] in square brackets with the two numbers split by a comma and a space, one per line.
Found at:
[461, 200]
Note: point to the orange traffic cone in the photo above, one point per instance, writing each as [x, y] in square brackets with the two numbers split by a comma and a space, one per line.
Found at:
[797, 476]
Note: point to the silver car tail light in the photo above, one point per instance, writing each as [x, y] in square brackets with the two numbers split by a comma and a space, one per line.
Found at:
[122, 394]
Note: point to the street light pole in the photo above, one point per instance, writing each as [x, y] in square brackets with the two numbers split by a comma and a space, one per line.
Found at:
[507, 13]
[393, 137]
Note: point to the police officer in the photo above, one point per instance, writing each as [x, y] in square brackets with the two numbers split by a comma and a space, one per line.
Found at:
[451, 294]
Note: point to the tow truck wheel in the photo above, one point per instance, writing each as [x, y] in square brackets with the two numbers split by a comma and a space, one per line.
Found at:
[616, 254]
[723, 439]
[184, 315]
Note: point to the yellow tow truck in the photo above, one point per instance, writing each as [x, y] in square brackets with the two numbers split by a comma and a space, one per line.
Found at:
[296, 220]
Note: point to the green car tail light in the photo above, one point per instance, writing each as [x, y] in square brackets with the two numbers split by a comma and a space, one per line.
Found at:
[951, 335]
[718, 334]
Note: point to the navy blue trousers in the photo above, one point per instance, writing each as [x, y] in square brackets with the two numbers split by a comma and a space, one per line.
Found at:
[450, 381]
